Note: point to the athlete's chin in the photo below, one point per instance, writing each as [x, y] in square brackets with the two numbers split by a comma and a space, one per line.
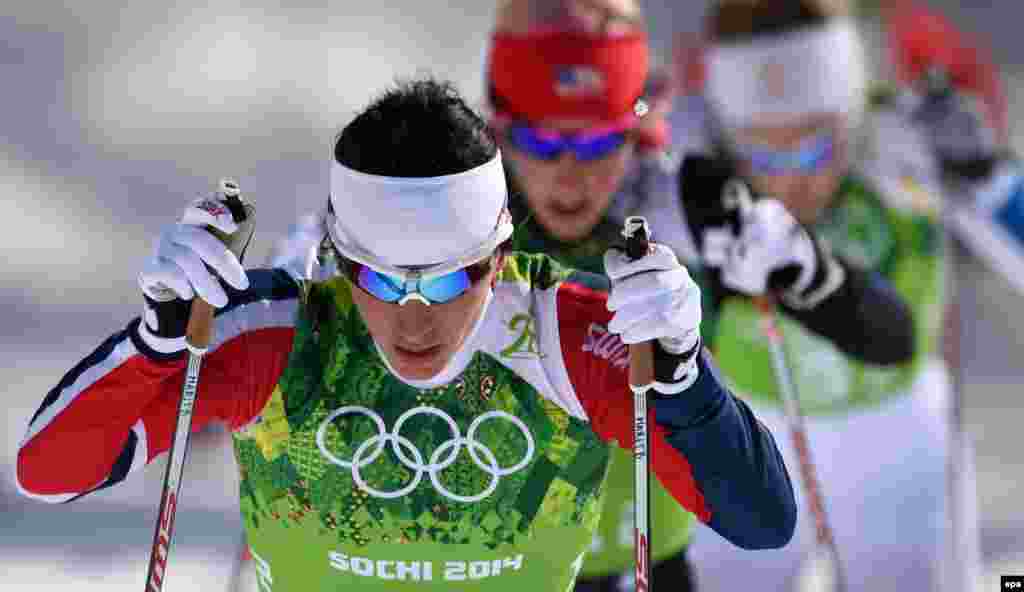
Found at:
[419, 364]
[570, 226]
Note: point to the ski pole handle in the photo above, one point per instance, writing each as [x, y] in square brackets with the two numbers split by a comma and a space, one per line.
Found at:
[641, 355]
[641, 374]
[199, 331]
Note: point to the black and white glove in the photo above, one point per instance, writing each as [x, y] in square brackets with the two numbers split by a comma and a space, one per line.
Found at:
[756, 246]
[189, 260]
[774, 252]
[654, 298]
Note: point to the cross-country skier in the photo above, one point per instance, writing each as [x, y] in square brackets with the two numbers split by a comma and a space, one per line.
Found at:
[585, 161]
[565, 82]
[440, 412]
[789, 110]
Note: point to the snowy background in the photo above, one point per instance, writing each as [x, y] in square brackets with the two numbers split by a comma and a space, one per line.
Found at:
[114, 114]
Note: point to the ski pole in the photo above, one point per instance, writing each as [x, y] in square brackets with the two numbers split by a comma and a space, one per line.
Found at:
[641, 374]
[198, 334]
[937, 87]
[961, 538]
[826, 553]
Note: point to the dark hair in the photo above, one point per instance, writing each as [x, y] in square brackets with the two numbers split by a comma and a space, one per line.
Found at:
[742, 20]
[420, 128]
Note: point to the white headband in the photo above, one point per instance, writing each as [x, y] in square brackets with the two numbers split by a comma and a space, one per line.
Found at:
[397, 222]
[777, 80]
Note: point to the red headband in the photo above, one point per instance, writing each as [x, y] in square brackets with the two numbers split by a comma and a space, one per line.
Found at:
[572, 75]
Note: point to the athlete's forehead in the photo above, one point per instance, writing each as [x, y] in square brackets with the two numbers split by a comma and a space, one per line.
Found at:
[608, 16]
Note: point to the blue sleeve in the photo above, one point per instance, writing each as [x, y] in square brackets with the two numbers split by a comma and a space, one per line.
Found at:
[734, 461]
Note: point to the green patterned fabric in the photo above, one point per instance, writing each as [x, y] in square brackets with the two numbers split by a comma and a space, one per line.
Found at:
[612, 548]
[313, 526]
[585, 255]
[903, 246]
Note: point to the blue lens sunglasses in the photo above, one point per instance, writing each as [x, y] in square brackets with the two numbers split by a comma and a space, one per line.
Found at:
[434, 290]
[543, 144]
[811, 156]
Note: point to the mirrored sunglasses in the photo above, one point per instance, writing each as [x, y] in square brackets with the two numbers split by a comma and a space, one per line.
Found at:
[812, 155]
[544, 144]
[435, 290]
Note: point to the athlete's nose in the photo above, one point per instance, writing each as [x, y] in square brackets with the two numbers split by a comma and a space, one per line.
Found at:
[567, 173]
[416, 324]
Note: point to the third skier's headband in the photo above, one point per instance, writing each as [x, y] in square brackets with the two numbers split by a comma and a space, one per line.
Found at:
[546, 75]
[399, 222]
[781, 78]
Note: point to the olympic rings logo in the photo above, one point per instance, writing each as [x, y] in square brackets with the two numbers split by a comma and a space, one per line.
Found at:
[482, 456]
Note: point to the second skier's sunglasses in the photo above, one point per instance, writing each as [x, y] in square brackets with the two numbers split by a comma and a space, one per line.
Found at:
[811, 156]
[432, 290]
[547, 144]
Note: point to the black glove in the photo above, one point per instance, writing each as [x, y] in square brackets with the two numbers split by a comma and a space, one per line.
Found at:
[701, 183]
[963, 141]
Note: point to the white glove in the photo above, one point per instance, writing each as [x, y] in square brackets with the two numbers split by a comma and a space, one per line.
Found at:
[186, 253]
[770, 240]
[654, 297]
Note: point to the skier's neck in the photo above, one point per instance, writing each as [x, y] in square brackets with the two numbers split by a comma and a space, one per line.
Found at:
[458, 362]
